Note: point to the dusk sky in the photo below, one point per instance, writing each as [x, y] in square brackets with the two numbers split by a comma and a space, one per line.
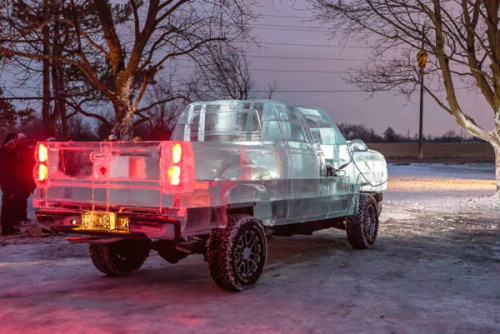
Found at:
[287, 29]
[280, 24]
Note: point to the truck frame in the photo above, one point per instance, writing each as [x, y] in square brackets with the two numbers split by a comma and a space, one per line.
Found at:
[233, 173]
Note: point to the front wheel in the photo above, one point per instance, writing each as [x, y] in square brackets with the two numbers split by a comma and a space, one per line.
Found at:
[362, 228]
[120, 258]
[237, 254]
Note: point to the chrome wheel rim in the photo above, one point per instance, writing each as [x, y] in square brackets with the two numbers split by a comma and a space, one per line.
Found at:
[248, 254]
[370, 225]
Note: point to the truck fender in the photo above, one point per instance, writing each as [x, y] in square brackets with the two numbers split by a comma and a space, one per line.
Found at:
[234, 189]
[255, 196]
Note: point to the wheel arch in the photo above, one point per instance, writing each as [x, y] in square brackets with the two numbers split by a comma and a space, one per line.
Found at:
[248, 198]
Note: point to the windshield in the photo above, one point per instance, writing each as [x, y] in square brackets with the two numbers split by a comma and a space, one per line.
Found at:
[323, 129]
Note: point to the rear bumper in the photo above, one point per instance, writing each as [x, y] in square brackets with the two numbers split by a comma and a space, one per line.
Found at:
[142, 226]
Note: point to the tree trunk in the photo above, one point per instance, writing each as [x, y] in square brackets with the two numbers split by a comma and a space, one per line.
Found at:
[49, 125]
[58, 84]
[123, 127]
[496, 148]
[124, 111]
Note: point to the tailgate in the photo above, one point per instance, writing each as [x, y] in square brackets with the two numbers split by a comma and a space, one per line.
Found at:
[101, 174]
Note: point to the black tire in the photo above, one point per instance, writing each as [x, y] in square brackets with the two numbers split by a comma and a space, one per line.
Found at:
[237, 254]
[120, 258]
[362, 228]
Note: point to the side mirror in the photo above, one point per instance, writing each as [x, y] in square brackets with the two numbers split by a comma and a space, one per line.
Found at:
[329, 171]
[357, 145]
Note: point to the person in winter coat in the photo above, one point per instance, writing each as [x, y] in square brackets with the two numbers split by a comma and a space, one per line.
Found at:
[26, 183]
[8, 183]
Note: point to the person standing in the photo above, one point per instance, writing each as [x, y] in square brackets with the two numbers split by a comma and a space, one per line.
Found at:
[8, 183]
[25, 181]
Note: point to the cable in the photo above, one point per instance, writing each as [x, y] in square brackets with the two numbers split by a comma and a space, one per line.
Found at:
[308, 58]
[336, 170]
[288, 26]
[315, 91]
[287, 16]
[361, 173]
[293, 71]
[317, 45]
[291, 29]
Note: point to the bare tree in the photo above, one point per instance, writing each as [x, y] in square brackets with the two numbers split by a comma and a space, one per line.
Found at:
[462, 38]
[157, 120]
[8, 114]
[272, 87]
[41, 31]
[134, 41]
[221, 73]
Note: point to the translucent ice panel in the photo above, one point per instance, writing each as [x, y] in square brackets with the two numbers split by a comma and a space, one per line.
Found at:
[221, 122]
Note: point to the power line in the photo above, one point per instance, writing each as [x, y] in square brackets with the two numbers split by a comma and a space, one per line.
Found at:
[317, 45]
[305, 58]
[287, 16]
[291, 29]
[312, 91]
[288, 26]
[293, 71]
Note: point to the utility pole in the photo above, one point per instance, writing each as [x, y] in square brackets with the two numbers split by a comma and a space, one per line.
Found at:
[421, 119]
[422, 61]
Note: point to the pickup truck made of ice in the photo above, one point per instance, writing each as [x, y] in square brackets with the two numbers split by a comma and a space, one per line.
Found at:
[233, 173]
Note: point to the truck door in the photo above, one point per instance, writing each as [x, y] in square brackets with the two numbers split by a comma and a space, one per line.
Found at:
[280, 188]
[337, 191]
[305, 180]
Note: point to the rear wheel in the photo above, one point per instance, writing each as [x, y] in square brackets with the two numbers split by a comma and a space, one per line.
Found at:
[120, 258]
[362, 228]
[237, 254]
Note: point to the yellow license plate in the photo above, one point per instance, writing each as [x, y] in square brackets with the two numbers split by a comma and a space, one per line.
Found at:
[104, 221]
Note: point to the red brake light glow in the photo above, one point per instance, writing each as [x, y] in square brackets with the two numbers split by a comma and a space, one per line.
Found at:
[174, 175]
[43, 153]
[176, 153]
[43, 172]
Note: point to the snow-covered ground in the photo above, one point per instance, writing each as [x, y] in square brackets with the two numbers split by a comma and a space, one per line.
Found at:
[433, 184]
[435, 269]
[482, 171]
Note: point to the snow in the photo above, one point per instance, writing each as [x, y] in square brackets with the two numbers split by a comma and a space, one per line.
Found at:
[434, 269]
[444, 186]
[482, 171]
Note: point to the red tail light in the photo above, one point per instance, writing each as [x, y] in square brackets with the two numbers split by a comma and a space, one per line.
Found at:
[174, 175]
[176, 153]
[41, 170]
[42, 153]
[177, 167]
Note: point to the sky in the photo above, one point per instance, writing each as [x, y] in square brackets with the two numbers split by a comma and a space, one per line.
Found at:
[291, 51]
[279, 24]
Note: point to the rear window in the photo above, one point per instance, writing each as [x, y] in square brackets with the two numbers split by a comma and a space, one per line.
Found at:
[219, 122]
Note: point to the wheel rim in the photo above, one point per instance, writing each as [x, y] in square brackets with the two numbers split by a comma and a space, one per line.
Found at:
[122, 254]
[370, 225]
[126, 254]
[248, 254]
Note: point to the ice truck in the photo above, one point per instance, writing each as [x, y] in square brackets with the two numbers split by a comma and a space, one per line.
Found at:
[233, 173]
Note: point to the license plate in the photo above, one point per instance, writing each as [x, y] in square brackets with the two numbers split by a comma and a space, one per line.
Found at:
[104, 221]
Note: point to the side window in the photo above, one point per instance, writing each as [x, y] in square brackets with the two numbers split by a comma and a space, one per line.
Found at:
[293, 132]
[294, 115]
[294, 127]
[316, 136]
[271, 132]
